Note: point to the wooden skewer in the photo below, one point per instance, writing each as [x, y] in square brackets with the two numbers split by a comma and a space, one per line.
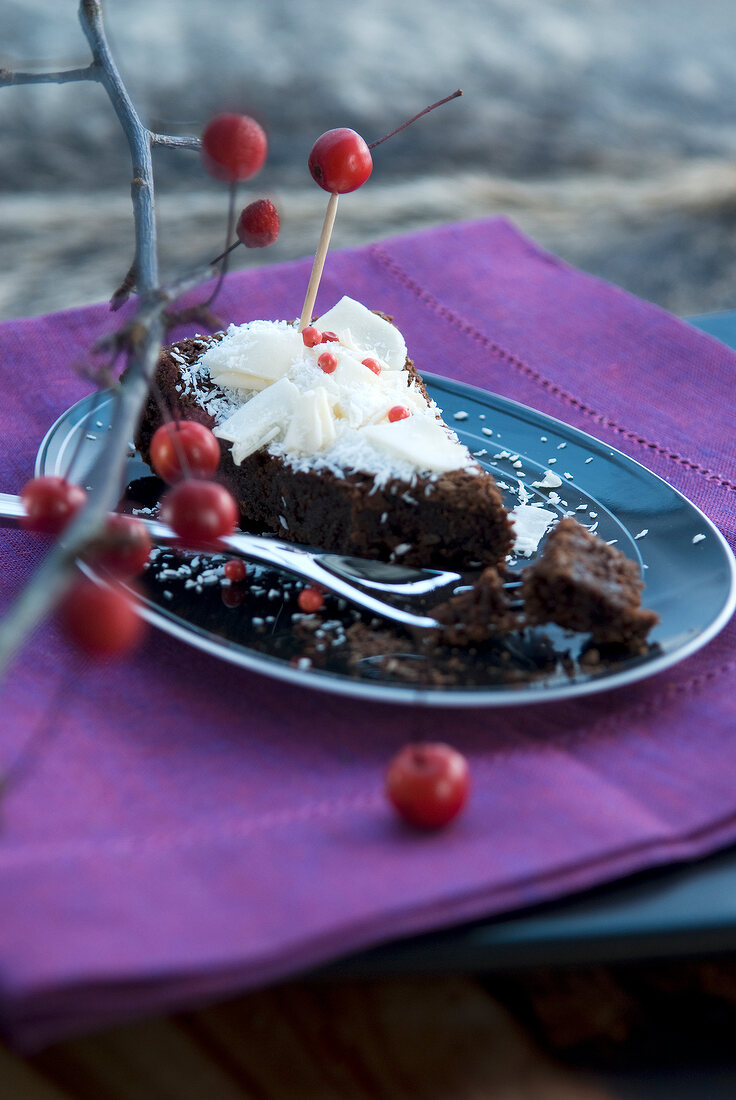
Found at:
[319, 261]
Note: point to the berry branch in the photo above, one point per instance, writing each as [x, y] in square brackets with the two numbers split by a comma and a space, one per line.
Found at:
[143, 271]
[141, 338]
[56, 572]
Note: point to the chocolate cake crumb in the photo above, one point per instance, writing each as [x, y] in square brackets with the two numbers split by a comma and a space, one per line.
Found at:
[582, 583]
[477, 614]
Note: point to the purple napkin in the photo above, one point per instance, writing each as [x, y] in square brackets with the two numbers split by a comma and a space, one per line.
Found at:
[185, 829]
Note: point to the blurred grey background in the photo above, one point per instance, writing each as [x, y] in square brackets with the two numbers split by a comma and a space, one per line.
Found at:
[604, 128]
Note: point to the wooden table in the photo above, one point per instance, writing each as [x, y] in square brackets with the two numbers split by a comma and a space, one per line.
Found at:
[392, 1038]
[587, 1033]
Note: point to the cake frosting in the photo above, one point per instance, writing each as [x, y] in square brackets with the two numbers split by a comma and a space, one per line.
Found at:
[275, 395]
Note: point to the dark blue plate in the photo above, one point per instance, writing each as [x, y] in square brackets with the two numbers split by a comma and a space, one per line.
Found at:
[688, 568]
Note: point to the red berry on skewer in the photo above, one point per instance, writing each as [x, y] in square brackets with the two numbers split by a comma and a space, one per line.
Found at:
[372, 364]
[101, 620]
[398, 412]
[184, 448]
[258, 224]
[123, 547]
[340, 161]
[199, 511]
[310, 600]
[50, 503]
[328, 362]
[233, 147]
[428, 784]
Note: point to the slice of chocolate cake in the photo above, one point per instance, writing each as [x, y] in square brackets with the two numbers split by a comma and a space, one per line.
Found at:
[582, 583]
[334, 443]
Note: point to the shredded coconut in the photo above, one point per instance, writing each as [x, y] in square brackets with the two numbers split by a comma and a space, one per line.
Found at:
[337, 434]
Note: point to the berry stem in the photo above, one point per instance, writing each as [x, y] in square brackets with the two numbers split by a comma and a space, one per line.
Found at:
[426, 111]
[319, 261]
[228, 248]
[224, 254]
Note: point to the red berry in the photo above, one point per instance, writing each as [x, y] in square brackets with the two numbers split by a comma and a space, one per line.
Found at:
[123, 547]
[258, 225]
[311, 336]
[310, 600]
[232, 596]
[233, 147]
[372, 364]
[50, 503]
[329, 337]
[398, 412]
[184, 448]
[302, 663]
[199, 511]
[340, 161]
[428, 784]
[101, 619]
[328, 362]
[235, 570]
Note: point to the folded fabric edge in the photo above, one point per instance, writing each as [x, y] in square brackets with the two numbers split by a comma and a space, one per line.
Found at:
[42, 1017]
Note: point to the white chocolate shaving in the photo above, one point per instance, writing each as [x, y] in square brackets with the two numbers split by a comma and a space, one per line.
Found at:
[277, 395]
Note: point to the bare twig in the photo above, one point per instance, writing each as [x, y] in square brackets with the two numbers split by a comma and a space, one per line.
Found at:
[409, 121]
[225, 256]
[171, 141]
[198, 314]
[126, 288]
[139, 143]
[66, 76]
